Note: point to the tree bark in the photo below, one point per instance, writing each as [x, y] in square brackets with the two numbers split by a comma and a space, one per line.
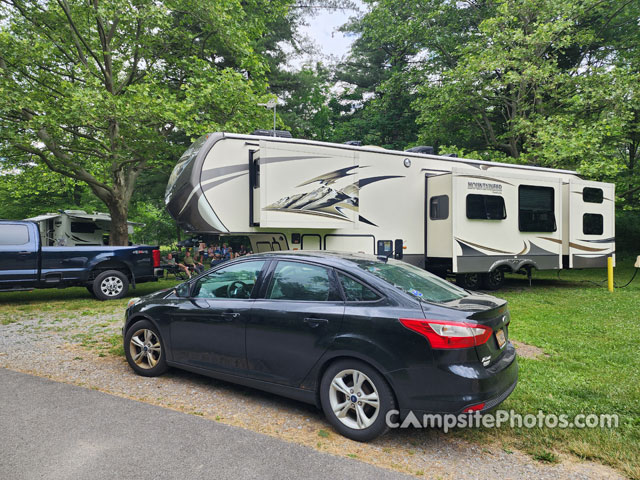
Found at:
[119, 233]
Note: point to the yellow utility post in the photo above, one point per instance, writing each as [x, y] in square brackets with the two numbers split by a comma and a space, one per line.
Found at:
[610, 273]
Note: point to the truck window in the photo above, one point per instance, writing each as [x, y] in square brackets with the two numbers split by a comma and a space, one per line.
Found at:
[485, 207]
[536, 209]
[439, 207]
[14, 235]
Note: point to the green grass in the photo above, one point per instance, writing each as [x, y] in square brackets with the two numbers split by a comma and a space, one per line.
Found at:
[592, 338]
[67, 303]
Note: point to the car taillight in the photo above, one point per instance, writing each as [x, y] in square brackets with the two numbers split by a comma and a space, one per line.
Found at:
[474, 408]
[445, 334]
[156, 258]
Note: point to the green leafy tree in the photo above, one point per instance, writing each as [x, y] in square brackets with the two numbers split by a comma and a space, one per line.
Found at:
[96, 91]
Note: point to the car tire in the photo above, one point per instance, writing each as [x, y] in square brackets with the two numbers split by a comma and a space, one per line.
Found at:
[343, 401]
[110, 285]
[469, 281]
[90, 290]
[493, 280]
[144, 349]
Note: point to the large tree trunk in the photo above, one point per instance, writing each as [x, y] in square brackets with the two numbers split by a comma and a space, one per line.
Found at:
[119, 234]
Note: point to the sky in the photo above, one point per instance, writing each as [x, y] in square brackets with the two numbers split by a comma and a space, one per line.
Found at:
[322, 29]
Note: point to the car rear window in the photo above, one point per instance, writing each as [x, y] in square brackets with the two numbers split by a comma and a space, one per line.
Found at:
[413, 280]
[302, 282]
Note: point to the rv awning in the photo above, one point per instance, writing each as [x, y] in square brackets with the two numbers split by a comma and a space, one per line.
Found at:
[105, 217]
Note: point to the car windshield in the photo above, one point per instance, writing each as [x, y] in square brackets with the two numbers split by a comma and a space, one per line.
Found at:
[413, 280]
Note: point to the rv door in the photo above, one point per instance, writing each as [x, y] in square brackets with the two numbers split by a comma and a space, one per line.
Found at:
[591, 236]
[254, 188]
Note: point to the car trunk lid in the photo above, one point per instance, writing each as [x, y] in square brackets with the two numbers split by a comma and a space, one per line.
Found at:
[490, 312]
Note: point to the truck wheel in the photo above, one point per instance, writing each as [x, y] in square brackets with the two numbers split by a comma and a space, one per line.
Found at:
[493, 280]
[90, 290]
[469, 281]
[110, 285]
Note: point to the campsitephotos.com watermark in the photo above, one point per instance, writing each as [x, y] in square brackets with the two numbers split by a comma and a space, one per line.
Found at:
[501, 418]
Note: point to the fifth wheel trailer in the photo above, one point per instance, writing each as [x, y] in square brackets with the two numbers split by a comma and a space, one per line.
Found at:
[471, 218]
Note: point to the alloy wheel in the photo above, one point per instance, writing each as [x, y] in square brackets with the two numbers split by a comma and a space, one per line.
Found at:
[145, 348]
[354, 399]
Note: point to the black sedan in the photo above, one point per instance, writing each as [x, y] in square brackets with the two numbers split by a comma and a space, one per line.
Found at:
[356, 335]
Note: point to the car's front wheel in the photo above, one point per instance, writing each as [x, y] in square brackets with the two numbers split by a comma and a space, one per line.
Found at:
[356, 399]
[144, 349]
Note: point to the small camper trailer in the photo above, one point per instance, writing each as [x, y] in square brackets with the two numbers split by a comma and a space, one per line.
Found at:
[466, 217]
[75, 228]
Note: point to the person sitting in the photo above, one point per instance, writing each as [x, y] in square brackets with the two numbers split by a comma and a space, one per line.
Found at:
[172, 261]
[216, 259]
[189, 262]
[199, 266]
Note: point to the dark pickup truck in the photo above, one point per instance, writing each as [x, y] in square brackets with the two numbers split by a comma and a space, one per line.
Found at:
[106, 272]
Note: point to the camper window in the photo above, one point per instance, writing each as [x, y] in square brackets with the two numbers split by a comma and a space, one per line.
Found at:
[439, 207]
[592, 224]
[592, 195]
[83, 227]
[485, 207]
[536, 209]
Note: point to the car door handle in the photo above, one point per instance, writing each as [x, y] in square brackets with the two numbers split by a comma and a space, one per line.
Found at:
[230, 316]
[24, 253]
[315, 322]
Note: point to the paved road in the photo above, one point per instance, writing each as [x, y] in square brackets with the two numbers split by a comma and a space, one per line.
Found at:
[58, 431]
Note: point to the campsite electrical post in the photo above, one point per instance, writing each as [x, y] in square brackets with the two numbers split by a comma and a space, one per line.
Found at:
[610, 273]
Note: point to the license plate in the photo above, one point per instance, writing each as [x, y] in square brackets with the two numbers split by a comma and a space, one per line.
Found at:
[501, 338]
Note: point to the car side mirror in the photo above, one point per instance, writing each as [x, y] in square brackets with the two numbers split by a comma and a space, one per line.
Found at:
[182, 290]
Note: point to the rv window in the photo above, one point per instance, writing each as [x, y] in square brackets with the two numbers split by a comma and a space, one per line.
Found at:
[536, 209]
[439, 207]
[485, 207]
[83, 227]
[14, 235]
[592, 195]
[592, 224]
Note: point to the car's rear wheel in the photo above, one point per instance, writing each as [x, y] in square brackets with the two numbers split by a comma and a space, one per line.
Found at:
[356, 399]
[144, 349]
[110, 285]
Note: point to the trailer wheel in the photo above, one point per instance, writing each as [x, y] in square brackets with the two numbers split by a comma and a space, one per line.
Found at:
[110, 285]
[469, 281]
[493, 280]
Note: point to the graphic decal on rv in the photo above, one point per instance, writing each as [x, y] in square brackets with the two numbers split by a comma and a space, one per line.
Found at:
[328, 201]
[580, 247]
[529, 248]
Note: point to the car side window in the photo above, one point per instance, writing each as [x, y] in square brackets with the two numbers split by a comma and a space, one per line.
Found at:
[355, 291]
[301, 281]
[234, 281]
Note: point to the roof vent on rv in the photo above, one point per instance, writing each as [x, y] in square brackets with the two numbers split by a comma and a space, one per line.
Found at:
[269, 133]
[355, 143]
[452, 155]
[421, 149]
